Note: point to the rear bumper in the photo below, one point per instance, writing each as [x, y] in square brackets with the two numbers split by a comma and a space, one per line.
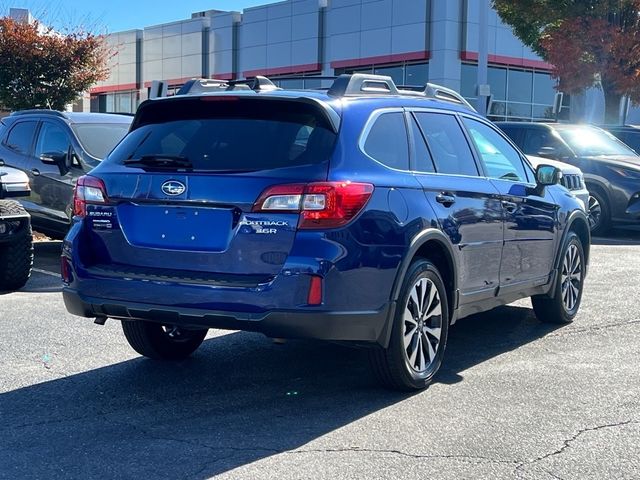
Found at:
[360, 326]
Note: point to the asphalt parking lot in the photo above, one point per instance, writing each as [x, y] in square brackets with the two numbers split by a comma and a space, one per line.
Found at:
[515, 398]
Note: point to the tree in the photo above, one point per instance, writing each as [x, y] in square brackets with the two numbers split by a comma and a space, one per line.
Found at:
[42, 68]
[588, 42]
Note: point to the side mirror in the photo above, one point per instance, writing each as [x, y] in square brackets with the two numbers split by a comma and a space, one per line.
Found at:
[551, 153]
[59, 159]
[54, 158]
[547, 175]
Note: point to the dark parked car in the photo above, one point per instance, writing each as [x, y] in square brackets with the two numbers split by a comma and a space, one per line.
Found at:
[611, 169]
[364, 213]
[54, 149]
[629, 134]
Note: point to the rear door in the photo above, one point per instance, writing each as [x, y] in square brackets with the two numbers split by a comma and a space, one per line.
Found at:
[467, 205]
[530, 218]
[17, 152]
[183, 184]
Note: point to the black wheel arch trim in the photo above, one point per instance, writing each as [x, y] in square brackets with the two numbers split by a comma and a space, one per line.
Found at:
[574, 218]
[429, 234]
[599, 185]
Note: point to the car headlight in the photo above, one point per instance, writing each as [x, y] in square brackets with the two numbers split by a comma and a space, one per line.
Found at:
[627, 172]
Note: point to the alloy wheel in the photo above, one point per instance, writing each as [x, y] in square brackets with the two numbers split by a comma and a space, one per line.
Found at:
[571, 279]
[422, 325]
[595, 212]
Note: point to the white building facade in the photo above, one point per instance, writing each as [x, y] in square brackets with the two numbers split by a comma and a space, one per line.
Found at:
[414, 41]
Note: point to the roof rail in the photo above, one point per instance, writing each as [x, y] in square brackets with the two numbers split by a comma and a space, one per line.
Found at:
[39, 111]
[347, 85]
[437, 92]
[362, 84]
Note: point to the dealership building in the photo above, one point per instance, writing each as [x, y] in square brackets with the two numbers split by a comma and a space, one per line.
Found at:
[413, 41]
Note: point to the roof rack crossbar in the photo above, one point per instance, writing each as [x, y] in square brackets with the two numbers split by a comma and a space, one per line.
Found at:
[347, 85]
[202, 85]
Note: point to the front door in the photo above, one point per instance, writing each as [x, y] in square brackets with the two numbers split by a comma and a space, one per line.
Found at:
[467, 206]
[530, 216]
[53, 186]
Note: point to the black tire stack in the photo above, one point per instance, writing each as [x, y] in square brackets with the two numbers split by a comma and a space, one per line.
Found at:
[16, 248]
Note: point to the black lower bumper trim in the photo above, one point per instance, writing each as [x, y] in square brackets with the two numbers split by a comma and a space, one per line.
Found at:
[367, 326]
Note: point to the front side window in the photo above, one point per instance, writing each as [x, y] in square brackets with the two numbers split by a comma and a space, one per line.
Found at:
[448, 145]
[52, 139]
[501, 160]
[387, 141]
[20, 137]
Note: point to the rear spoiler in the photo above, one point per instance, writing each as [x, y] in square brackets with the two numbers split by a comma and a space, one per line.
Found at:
[149, 108]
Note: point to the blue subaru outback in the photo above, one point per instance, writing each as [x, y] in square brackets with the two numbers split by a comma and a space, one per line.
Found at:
[365, 213]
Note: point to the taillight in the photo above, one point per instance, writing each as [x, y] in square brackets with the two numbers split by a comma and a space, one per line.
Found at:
[321, 205]
[88, 190]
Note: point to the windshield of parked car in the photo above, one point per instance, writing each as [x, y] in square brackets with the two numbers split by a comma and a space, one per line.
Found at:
[593, 142]
[98, 139]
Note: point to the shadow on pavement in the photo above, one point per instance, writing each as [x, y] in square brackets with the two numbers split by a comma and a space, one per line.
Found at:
[239, 399]
[619, 236]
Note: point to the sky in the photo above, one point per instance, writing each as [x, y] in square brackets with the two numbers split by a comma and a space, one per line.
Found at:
[117, 15]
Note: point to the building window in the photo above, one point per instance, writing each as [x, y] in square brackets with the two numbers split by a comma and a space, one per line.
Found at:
[300, 82]
[117, 102]
[517, 94]
[405, 73]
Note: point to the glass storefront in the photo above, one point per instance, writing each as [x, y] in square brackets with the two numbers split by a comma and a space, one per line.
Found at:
[517, 94]
[410, 74]
[120, 102]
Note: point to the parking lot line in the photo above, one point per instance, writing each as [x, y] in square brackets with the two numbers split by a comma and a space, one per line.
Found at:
[46, 272]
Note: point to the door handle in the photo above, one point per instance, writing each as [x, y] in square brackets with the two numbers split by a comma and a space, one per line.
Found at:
[35, 171]
[445, 199]
[509, 206]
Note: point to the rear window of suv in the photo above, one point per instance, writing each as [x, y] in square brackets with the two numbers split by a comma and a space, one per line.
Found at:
[215, 135]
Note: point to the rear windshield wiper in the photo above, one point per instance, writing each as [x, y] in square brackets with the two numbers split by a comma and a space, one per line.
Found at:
[160, 161]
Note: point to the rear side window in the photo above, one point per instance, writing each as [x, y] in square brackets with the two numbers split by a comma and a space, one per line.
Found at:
[229, 135]
[387, 141]
[514, 133]
[536, 140]
[20, 137]
[447, 143]
[98, 139]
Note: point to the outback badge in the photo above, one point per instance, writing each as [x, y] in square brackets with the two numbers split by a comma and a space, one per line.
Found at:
[173, 188]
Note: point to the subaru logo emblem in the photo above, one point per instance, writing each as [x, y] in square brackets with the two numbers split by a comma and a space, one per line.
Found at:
[173, 188]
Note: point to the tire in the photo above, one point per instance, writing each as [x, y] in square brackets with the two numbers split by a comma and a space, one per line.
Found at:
[600, 222]
[16, 254]
[565, 303]
[162, 342]
[398, 366]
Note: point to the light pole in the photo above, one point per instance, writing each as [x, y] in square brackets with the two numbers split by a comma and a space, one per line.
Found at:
[483, 57]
